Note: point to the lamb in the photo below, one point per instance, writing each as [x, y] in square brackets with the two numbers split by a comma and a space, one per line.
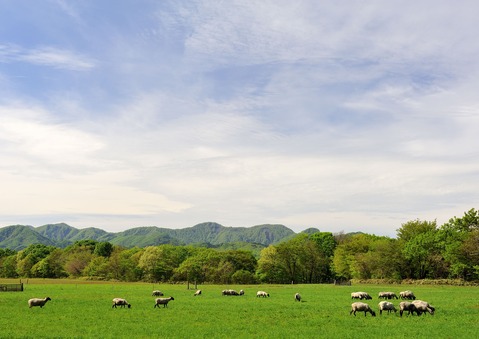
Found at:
[120, 302]
[163, 301]
[262, 294]
[157, 293]
[360, 295]
[407, 295]
[406, 306]
[423, 307]
[386, 306]
[361, 307]
[197, 293]
[387, 295]
[38, 302]
[297, 297]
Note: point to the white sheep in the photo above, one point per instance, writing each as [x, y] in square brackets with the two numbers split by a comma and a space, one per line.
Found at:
[387, 295]
[197, 293]
[423, 307]
[157, 293]
[406, 306]
[360, 295]
[297, 297]
[163, 301]
[361, 307]
[120, 302]
[386, 306]
[407, 295]
[241, 292]
[38, 302]
[262, 294]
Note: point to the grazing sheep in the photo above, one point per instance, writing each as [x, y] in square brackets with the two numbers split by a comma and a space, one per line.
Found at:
[229, 292]
[386, 306]
[157, 293]
[262, 294]
[360, 295]
[423, 307]
[197, 293]
[120, 302]
[297, 297]
[163, 301]
[38, 302]
[407, 295]
[406, 306]
[361, 307]
[387, 295]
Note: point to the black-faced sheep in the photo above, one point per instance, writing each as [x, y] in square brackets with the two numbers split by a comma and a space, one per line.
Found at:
[407, 295]
[120, 302]
[361, 307]
[38, 302]
[406, 306]
[262, 294]
[163, 301]
[197, 293]
[241, 292]
[387, 295]
[157, 293]
[423, 307]
[360, 295]
[229, 292]
[386, 306]
[297, 297]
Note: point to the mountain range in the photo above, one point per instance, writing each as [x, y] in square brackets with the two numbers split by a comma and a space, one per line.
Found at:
[17, 237]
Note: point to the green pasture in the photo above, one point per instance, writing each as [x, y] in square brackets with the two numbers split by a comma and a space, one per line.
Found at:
[84, 310]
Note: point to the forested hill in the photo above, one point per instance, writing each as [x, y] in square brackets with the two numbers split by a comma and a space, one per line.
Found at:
[17, 237]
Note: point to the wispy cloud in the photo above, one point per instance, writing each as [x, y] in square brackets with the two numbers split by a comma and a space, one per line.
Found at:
[46, 56]
[339, 116]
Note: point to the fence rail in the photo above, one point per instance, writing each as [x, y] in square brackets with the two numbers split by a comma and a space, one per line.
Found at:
[11, 287]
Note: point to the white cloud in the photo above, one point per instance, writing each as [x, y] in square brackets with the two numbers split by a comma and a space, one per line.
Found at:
[58, 58]
[343, 117]
[46, 56]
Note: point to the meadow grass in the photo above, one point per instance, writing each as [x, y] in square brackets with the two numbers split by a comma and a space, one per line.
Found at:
[83, 310]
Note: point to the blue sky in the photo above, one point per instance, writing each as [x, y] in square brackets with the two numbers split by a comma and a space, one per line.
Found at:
[357, 116]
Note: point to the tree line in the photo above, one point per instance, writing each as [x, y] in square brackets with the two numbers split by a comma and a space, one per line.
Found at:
[421, 250]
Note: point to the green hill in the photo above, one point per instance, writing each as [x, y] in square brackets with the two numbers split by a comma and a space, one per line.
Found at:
[61, 235]
[18, 237]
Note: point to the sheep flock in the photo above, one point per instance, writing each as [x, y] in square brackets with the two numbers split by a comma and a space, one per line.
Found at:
[409, 308]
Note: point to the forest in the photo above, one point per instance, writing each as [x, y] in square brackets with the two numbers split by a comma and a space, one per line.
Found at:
[421, 250]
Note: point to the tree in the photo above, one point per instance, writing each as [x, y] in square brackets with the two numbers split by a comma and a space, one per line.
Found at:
[411, 229]
[31, 255]
[103, 249]
[270, 267]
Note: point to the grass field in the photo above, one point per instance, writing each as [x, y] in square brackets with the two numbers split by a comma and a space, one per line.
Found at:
[80, 309]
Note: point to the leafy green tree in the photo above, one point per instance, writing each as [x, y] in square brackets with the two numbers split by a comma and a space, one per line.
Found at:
[31, 255]
[97, 268]
[243, 277]
[151, 263]
[270, 266]
[8, 266]
[123, 264]
[413, 228]
[343, 260]
[51, 266]
[103, 249]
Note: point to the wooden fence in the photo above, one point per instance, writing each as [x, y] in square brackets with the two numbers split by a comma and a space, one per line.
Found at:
[11, 287]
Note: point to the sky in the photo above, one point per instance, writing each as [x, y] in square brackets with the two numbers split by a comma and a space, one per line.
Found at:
[344, 116]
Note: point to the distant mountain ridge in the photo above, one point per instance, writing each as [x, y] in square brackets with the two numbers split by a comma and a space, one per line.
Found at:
[17, 237]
